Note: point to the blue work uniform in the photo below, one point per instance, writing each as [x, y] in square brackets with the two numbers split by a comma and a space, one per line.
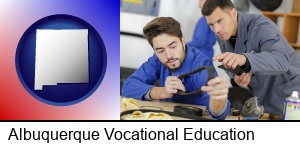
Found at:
[143, 79]
[204, 38]
[274, 63]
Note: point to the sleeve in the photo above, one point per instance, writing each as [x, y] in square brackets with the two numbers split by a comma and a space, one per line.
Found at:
[247, 66]
[226, 110]
[271, 57]
[142, 80]
[147, 96]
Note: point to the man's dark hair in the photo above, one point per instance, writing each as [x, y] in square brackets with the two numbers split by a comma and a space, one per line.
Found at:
[162, 25]
[210, 5]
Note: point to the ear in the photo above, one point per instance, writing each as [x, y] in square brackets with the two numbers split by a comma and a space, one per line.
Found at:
[183, 40]
[233, 13]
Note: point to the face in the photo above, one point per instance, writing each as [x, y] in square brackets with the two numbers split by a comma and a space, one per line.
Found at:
[223, 22]
[169, 50]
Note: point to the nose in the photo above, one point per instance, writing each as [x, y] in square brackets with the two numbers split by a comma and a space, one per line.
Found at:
[169, 53]
[217, 28]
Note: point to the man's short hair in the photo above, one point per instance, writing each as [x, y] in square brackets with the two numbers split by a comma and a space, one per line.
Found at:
[210, 5]
[162, 25]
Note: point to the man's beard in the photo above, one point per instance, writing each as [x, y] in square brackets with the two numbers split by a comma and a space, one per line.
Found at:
[173, 66]
[172, 59]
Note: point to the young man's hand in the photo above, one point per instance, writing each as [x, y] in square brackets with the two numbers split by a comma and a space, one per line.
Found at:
[173, 83]
[217, 88]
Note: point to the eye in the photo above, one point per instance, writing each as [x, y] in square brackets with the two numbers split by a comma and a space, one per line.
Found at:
[160, 51]
[219, 21]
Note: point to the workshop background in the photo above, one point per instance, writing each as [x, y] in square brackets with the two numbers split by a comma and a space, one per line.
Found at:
[135, 14]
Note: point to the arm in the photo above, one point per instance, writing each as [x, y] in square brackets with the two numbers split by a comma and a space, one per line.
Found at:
[142, 80]
[216, 91]
[217, 88]
[272, 58]
[270, 52]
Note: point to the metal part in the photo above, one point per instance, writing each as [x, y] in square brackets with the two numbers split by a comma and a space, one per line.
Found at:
[237, 97]
[251, 108]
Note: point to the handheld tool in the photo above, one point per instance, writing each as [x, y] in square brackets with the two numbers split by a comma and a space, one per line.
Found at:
[211, 75]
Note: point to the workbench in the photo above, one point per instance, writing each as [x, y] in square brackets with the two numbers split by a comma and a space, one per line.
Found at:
[169, 106]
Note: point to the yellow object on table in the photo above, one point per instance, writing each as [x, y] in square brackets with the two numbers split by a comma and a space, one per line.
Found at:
[128, 104]
[138, 115]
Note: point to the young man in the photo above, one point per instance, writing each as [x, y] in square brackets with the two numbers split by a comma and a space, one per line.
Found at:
[255, 43]
[204, 38]
[171, 58]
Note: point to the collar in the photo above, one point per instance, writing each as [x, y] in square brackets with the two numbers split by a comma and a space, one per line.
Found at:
[186, 65]
[241, 37]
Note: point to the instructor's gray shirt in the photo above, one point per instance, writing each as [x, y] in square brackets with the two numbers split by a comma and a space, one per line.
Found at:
[274, 63]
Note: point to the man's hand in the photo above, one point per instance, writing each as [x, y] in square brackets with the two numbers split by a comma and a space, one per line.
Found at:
[172, 83]
[243, 80]
[231, 60]
[217, 88]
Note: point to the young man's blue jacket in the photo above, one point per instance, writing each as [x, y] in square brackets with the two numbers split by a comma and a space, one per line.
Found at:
[143, 79]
